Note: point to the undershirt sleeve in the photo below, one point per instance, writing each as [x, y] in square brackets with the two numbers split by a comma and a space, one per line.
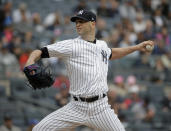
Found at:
[45, 53]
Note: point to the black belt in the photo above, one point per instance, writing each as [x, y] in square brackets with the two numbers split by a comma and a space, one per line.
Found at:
[91, 99]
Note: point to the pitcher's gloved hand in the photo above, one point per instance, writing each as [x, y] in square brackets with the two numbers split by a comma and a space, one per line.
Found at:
[38, 76]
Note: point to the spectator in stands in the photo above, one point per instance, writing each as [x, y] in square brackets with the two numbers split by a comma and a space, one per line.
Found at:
[22, 14]
[52, 22]
[8, 33]
[23, 57]
[28, 41]
[119, 86]
[50, 18]
[10, 62]
[67, 25]
[61, 81]
[131, 83]
[160, 48]
[126, 23]
[102, 31]
[164, 7]
[8, 125]
[114, 100]
[102, 9]
[158, 18]
[160, 68]
[16, 42]
[127, 10]
[166, 103]
[155, 4]
[139, 24]
[5, 17]
[32, 123]
[125, 43]
[37, 22]
[149, 32]
[140, 37]
[56, 24]
[2, 19]
[144, 111]
[163, 36]
[166, 60]
[133, 98]
[62, 97]
[81, 5]
[146, 6]
[150, 111]
[17, 51]
[128, 27]
[113, 9]
[113, 38]
[167, 21]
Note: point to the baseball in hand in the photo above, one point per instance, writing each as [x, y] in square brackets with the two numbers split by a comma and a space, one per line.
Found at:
[149, 47]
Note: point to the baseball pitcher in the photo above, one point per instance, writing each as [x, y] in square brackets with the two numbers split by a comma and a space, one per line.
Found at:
[86, 59]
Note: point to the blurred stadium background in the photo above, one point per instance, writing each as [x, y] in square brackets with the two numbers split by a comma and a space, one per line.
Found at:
[139, 84]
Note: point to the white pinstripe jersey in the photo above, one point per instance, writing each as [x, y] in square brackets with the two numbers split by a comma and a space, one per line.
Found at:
[86, 64]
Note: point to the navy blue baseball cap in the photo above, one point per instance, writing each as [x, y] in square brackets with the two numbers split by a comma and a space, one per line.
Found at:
[84, 15]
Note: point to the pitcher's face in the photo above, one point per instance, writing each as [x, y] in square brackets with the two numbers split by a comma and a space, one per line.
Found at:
[84, 27]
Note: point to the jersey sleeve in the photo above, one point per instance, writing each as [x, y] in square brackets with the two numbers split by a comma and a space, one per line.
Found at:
[109, 51]
[62, 49]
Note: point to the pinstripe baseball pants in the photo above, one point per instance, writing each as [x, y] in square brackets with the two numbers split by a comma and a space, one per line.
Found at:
[97, 115]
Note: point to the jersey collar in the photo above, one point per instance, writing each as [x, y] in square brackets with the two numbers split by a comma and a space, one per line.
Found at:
[94, 42]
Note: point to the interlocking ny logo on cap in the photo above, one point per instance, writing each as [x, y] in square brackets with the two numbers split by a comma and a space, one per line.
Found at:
[80, 12]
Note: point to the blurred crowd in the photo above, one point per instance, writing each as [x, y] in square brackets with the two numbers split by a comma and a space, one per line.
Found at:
[10, 126]
[120, 23]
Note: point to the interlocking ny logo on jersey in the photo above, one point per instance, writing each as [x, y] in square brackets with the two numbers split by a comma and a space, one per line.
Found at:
[80, 12]
[104, 55]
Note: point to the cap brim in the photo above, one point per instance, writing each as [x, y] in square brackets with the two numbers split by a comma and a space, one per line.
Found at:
[74, 18]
